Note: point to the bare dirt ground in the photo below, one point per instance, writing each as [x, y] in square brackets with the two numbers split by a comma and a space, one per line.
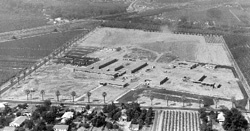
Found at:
[186, 47]
[187, 50]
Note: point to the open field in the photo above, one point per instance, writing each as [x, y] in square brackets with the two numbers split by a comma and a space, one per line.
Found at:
[11, 21]
[19, 54]
[195, 47]
[239, 46]
[193, 73]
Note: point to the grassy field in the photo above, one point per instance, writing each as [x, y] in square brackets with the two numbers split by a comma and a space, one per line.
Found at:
[11, 21]
[19, 54]
[239, 47]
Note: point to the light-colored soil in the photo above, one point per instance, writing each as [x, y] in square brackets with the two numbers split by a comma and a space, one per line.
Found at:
[189, 49]
[186, 47]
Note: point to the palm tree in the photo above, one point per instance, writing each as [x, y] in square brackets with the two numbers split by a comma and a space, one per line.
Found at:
[104, 94]
[27, 92]
[200, 100]
[73, 94]
[183, 98]
[58, 94]
[42, 93]
[151, 99]
[88, 95]
[233, 100]
[216, 100]
[166, 98]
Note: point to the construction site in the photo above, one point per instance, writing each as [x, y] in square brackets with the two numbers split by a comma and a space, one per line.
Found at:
[120, 61]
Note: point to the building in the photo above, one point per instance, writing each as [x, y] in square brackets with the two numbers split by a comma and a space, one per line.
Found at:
[138, 66]
[18, 121]
[107, 63]
[67, 115]
[164, 80]
[9, 128]
[202, 78]
[134, 127]
[61, 128]
[221, 117]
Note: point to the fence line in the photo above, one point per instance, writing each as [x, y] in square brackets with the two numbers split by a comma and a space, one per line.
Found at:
[27, 71]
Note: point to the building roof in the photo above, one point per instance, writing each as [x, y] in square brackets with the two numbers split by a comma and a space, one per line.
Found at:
[67, 115]
[135, 127]
[82, 129]
[61, 127]
[9, 128]
[221, 117]
[19, 120]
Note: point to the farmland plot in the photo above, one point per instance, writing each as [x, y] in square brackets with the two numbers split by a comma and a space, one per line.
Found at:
[19, 54]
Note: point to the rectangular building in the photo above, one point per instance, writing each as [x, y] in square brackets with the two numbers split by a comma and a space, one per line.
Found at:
[138, 66]
[164, 80]
[107, 63]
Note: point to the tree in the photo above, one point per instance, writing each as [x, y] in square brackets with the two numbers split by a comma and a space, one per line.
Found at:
[50, 117]
[166, 98]
[73, 94]
[109, 125]
[88, 95]
[42, 93]
[58, 94]
[151, 99]
[199, 100]
[216, 100]
[29, 124]
[104, 94]
[234, 120]
[27, 92]
[41, 126]
[183, 98]
[233, 100]
[35, 115]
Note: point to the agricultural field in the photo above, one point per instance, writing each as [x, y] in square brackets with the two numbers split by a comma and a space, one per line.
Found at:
[239, 47]
[12, 21]
[192, 74]
[177, 120]
[19, 54]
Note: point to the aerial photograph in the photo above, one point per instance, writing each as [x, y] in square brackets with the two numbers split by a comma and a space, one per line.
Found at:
[124, 65]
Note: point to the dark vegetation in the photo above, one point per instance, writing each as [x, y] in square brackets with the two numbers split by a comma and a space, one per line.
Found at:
[133, 112]
[46, 115]
[234, 120]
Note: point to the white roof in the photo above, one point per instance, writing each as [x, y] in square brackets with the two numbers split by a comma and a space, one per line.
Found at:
[68, 115]
[18, 121]
[221, 117]
[2, 105]
[9, 128]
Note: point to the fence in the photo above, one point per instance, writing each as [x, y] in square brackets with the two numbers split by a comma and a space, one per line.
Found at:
[27, 71]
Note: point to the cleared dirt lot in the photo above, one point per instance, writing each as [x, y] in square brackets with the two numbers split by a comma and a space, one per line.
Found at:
[142, 47]
[186, 47]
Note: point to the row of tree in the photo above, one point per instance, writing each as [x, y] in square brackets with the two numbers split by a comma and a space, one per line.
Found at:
[57, 93]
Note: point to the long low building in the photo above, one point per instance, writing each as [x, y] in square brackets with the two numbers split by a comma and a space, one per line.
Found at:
[138, 66]
[107, 63]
